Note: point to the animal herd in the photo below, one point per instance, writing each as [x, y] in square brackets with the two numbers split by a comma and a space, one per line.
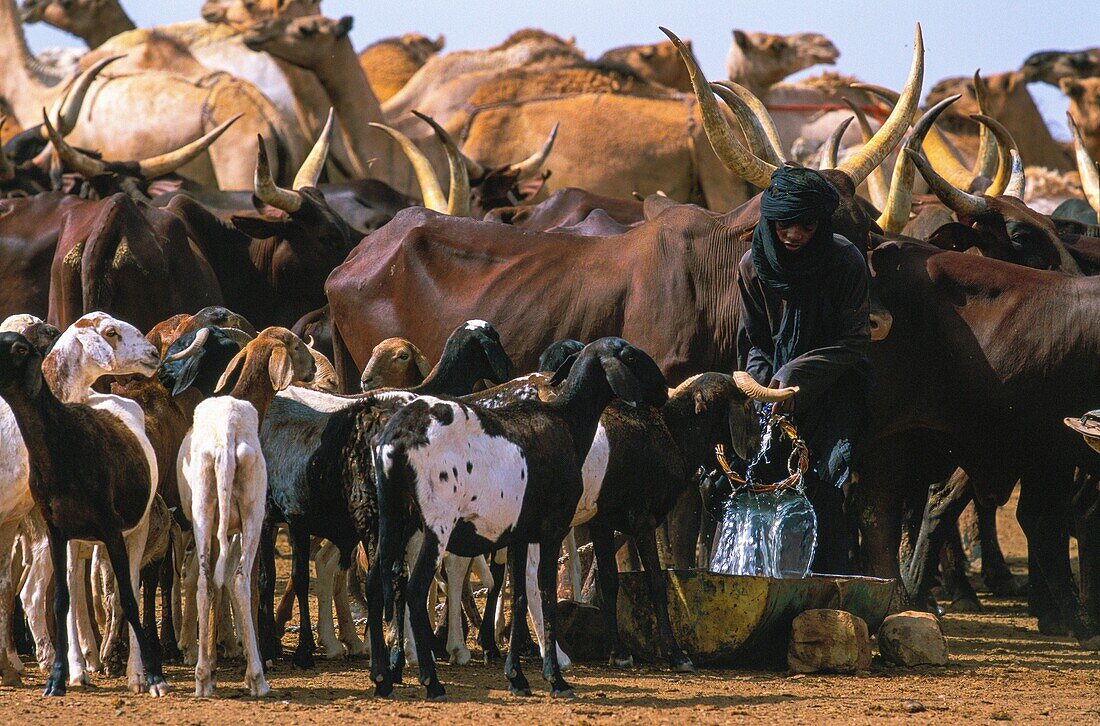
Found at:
[232, 248]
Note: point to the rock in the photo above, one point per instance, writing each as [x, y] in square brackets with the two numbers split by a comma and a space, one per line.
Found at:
[912, 638]
[828, 640]
[913, 707]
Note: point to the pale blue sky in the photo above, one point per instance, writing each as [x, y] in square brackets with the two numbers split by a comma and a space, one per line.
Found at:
[874, 37]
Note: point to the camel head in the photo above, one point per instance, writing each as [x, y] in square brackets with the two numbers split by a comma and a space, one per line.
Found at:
[88, 19]
[421, 47]
[306, 42]
[760, 60]
[1084, 106]
[242, 14]
[657, 62]
[1051, 66]
[1002, 93]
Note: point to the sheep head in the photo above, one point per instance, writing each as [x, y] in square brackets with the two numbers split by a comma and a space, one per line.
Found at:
[395, 363]
[272, 361]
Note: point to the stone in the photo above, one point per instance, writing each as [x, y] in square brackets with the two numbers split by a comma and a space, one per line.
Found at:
[911, 639]
[832, 641]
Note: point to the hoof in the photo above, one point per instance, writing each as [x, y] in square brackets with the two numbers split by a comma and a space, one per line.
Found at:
[79, 681]
[438, 697]
[204, 690]
[303, 660]
[516, 691]
[259, 689]
[1007, 586]
[490, 658]
[460, 656]
[1053, 625]
[54, 687]
[12, 679]
[965, 605]
[683, 666]
[563, 693]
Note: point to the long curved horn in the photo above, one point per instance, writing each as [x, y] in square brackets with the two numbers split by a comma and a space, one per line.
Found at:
[748, 385]
[733, 154]
[896, 212]
[458, 195]
[1086, 167]
[425, 175]
[989, 157]
[964, 205]
[859, 165]
[237, 335]
[265, 187]
[7, 171]
[750, 124]
[66, 110]
[198, 342]
[81, 163]
[831, 147]
[530, 166]
[876, 182]
[936, 147]
[163, 164]
[1005, 144]
[1017, 179]
[775, 153]
[314, 164]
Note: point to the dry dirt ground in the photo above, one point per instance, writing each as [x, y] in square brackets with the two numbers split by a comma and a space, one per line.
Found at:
[1001, 670]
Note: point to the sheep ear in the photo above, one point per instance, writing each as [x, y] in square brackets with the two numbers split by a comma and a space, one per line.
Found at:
[563, 370]
[32, 376]
[422, 364]
[280, 368]
[232, 372]
[700, 402]
[188, 371]
[621, 379]
[96, 347]
[499, 362]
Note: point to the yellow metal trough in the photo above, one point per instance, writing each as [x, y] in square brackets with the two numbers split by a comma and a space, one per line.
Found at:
[739, 620]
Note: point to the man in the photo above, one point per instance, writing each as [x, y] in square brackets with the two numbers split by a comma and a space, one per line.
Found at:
[805, 314]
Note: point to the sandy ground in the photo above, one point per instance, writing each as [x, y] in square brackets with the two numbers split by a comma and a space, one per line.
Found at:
[1002, 669]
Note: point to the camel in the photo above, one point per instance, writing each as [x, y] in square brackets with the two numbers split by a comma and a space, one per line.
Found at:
[1051, 66]
[758, 61]
[390, 63]
[618, 134]
[215, 43]
[146, 114]
[655, 62]
[1007, 100]
[1084, 107]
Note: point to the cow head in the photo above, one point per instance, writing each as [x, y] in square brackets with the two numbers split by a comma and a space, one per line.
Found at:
[1000, 226]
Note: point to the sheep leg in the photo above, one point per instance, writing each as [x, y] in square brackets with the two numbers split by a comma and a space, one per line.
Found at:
[251, 523]
[534, 604]
[456, 568]
[189, 587]
[646, 541]
[344, 621]
[420, 580]
[469, 604]
[548, 590]
[112, 651]
[575, 579]
[59, 674]
[35, 591]
[299, 543]
[228, 639]
[8, 675]
[285, 609]
[327, 562]
[603, 544]
[270, 643]
[379, 666]
[486, 634]
[517, 564]
[74, 571]
[205, 594]
[166, 581]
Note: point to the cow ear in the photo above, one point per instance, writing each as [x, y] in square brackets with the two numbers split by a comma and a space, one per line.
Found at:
[232, 372]
[280, 368]
[422, 364]
[258, 227]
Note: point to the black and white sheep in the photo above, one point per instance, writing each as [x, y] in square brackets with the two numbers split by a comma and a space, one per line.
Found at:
[475, 479]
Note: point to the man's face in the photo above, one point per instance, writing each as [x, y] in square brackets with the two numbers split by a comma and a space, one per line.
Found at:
[795, 235]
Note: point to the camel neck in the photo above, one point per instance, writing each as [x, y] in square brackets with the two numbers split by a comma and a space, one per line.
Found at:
[111, 21]
[20, 83]
[356, 106]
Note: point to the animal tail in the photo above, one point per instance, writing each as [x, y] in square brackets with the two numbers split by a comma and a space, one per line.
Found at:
[225, 469]
[391, 467]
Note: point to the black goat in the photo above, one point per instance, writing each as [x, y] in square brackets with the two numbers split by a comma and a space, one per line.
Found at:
[92, 479]
[475, 479]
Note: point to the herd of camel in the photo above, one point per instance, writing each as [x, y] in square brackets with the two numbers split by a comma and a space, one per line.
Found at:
[280, 66]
